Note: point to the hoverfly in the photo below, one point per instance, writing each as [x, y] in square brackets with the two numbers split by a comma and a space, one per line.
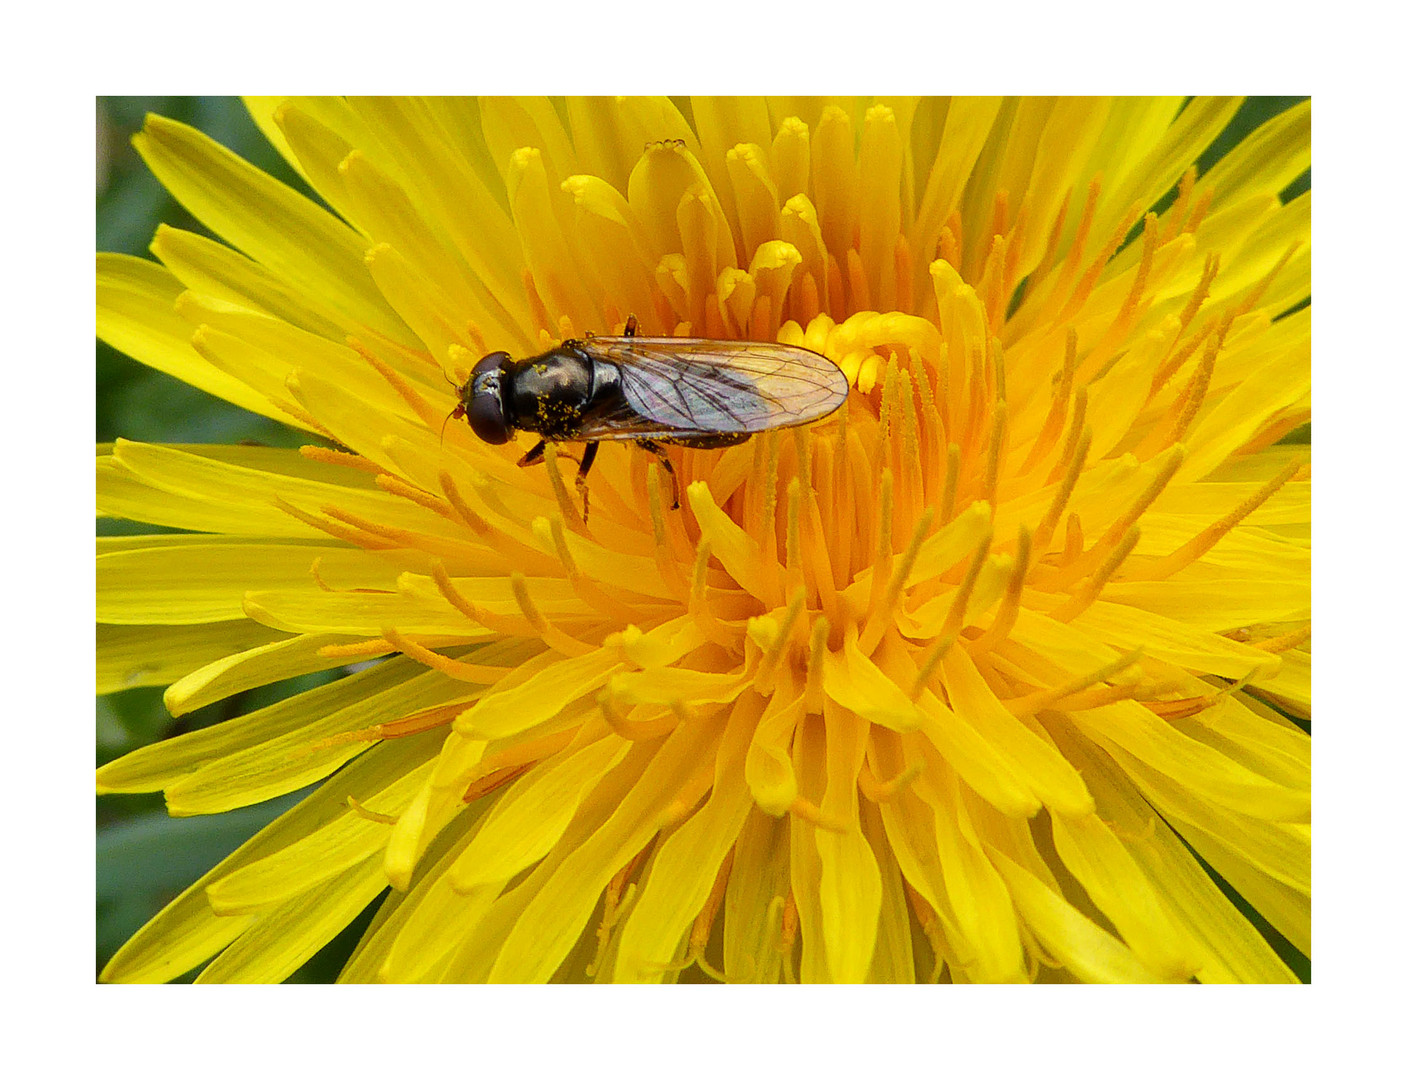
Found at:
[694, 392]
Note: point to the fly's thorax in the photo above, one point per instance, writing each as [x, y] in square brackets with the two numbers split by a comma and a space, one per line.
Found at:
[549, 394]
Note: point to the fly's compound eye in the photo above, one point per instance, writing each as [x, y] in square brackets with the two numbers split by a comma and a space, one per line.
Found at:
[484, 408]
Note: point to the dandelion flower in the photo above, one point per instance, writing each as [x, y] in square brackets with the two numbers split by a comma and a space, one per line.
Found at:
[988, 677]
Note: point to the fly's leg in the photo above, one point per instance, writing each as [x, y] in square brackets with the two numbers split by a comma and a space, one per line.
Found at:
[631, 325]
[656, 449]
[588, 458]
[538, 454]
[534, 456]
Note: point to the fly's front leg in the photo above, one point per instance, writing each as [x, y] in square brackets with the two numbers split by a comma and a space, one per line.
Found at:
[588, 458]
[656, 449]
[534, 456]
[538, 454]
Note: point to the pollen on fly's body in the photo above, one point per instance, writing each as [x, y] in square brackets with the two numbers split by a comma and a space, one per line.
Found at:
[692, 392]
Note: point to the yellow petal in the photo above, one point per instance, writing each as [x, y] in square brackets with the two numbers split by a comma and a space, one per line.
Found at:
[131, 656]
[247, 668]
[280, 229]
[518, 708]
[531, 817]
[684, 869]
[549, 925]
[137, 315]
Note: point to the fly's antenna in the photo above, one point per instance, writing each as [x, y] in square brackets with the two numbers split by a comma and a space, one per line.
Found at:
[458, 409]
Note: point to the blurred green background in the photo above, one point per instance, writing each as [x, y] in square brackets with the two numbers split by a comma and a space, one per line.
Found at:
[145, 858]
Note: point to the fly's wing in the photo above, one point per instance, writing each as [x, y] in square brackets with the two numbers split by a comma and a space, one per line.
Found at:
[700, 386]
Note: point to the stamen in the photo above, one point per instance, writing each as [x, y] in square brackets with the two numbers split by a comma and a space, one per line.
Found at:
[1189, 402]
[778, 647]
[1140, 277]
[659, 724]
[1001, 206]
[955, 230]
[357, 650]
[369, 815]
[910, 463]
[583, 586]
[786, 940]
[1284, 642]
[528, 752]
[698, 597]
[993, 277]
[1011, 599]
[943, 375]
[881, 614]
[619, 893]
[809, 812]
[1087, 595]
[467, 513]
[1076, 254]
[1096, 268]
[950, 484]
[394, 485]
[428, 416]
[1173, 364]
[977, 411]
[1172, 461]
[878, 791]
[795, 575]
[930, 663]
[302, 415]
[664, 554]
[482, 674]
[1046, 529]
[1016, 242]
[1178, 212]
[703, 924]
[570, 514]
[949, 251]
[476, 336]
[351, 536]
[994, 451]
[1073, 433]
[1202, 290]
[399, 537]
[958, 611]
[554, 638]
[492, 782]
[928, 924]
[1051, 244]
[339, 457]
[884, 543]
[1074, 540]
[414, 724]
[1030, 704]
[1180, 708]
[1199, 212]
[1209, 537]
[506, 625]
[1258, 290]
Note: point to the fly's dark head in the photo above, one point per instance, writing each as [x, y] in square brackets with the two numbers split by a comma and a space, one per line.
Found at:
[482, 398]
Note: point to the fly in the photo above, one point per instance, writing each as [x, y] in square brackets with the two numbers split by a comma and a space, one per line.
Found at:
[695, 392]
